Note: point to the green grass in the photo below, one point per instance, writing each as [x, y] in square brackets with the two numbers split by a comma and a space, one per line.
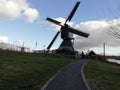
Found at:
[25, 71]
[102, 76]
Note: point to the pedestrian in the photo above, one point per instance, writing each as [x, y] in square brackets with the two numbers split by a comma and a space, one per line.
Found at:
[82, 54]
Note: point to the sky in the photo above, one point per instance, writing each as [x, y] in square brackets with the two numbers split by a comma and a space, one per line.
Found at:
[25, 21]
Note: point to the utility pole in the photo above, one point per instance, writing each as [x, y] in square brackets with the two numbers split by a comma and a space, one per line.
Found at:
[23, 48]
[36, 45]
[104, 50]
[44, 48]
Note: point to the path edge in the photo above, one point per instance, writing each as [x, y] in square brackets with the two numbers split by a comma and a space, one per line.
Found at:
[47, 82]
[84, 79]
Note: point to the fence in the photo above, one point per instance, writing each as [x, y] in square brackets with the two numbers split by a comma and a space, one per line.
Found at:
[6, 46]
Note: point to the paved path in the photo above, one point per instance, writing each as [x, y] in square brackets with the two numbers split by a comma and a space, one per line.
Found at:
[69, 78]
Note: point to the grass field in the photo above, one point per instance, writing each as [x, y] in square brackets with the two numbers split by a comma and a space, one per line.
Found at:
[102, 76]
[25, 71]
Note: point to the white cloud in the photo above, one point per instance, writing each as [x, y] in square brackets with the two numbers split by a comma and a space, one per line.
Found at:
[14, 9]
[31, 14]
[3, 39]
[93, 26]
[98, 31]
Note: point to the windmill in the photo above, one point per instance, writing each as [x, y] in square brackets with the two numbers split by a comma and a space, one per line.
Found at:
[66, 46]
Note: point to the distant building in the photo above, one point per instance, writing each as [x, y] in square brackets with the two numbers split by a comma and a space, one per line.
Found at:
[22, 49]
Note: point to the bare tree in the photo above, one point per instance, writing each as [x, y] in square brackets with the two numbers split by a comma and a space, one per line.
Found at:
[114, 29]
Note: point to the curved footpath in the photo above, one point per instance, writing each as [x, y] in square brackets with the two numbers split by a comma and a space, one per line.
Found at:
[69, 78]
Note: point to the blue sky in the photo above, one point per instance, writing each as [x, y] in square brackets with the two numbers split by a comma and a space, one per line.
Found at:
[29, 24]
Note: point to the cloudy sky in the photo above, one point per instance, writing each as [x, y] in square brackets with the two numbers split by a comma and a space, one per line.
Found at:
[25, 21]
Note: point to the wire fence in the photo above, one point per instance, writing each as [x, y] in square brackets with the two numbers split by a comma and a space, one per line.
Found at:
[6, 46]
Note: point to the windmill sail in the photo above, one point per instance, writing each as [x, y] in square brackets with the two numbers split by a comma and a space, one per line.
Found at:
[73, 12]
[53, 21]
[49, 46]
[75, 31]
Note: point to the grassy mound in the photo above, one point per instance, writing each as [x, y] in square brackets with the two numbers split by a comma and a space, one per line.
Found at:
[102, 76]
[25, 71]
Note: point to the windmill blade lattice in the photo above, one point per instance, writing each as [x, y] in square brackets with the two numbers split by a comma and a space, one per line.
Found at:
[72, 12]
[75, 31]
[53, 21]
[55, 37]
